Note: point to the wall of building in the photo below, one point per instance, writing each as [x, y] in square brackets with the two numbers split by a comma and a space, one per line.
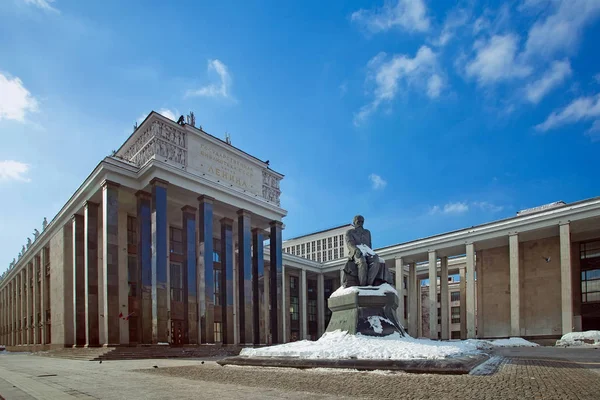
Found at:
[493, 279]
[540, 287]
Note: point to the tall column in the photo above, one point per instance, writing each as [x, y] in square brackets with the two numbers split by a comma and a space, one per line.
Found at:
[304, 305]
[258, 272]
[227, 280]
[26, 291]
[36, 302]
[245, 295]
[78, 280]
[275, 266]
[90, 219]
[515, 307]
[413, 293]
[44, 295]
[22, 337]
[433, 317]
[190, 283]
[144, 264]
[110, 263]
[285, 306]
[11, 324]
[160, 291]
[320, 304]
[463, 303]
[206, 283]
[444, 303]
[470, 290]
[566, 288]
[400, 289]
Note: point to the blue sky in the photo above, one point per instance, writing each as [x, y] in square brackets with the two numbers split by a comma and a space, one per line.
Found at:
[423, 116]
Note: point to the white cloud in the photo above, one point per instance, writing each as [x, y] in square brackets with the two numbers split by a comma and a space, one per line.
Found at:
[15, 99]
[165, 112]
[419, 72]
[220, 89]
[561, 27]
[450, 209]
[11, 170]
[597, 78]
[456, 19]
[43, 4]
[377, 182]
[486, 206]
[496, 60]
[554, 76]
[581, 109]
[594, 131]
[411, 15]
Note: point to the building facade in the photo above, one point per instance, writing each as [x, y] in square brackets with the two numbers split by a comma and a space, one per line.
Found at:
[177, 238]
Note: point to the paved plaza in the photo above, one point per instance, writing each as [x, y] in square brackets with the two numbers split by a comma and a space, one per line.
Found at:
[538, 373]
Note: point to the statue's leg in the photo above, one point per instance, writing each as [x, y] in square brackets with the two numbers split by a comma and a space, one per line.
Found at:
[363, 269]
[373, 270]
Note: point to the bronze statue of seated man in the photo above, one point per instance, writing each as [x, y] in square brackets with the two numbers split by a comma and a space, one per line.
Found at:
[364, 267]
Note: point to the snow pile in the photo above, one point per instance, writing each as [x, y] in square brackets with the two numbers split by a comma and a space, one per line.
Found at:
[365, 290]
[588, 338]
[512, 342]
[341, 345]
[366, 250]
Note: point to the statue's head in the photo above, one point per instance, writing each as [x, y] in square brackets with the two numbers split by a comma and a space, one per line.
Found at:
[358, 220]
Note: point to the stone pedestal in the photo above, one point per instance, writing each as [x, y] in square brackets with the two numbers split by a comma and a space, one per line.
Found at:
[364, 313]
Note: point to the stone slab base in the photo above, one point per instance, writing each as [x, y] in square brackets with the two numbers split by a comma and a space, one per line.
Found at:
[450, 366]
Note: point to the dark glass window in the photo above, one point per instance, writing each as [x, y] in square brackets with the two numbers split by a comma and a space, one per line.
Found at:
[176, 282]
[590, 285]
[131, 230]
[455, 315]
[312, 310]
[176, 237]
[455, 296]
[132, 274]
[217, 291]
[294, 308]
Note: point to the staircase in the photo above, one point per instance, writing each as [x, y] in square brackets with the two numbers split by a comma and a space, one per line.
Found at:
[142, 352]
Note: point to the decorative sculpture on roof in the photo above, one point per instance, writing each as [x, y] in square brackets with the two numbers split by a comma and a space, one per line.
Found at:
[36, 234]
[19, 256]
[44, 223]
[23, 250]
[191, 119]
[364, 267]
[181, 120]
[28, 243]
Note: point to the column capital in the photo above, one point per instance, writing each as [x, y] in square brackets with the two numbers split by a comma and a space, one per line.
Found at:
[143, 194]
[189, 209]
[206, 199]
[243, 213]
[434, 251]
[74, 217]
[562, 223]
[226, 221]
[278, 224]
[258, 230]
[513, 233]
[105, 183]
[159, 182]
[89, 204]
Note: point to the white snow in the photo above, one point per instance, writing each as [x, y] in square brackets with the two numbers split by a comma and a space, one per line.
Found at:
[341, 345]
[375, 322]
[366, 250]
[365, 290]
[577, 339]
[512, 342]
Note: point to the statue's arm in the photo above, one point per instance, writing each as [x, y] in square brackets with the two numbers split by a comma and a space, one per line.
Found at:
[351, 243]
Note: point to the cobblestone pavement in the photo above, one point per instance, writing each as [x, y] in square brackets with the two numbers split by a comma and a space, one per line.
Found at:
[520, 374]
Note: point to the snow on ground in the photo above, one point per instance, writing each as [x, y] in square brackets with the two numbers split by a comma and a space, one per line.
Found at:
[365, 290]
[341, 345]
[512, 342]
[587, 338]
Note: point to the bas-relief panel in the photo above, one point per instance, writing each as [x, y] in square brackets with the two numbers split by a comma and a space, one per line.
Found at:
[206, 158]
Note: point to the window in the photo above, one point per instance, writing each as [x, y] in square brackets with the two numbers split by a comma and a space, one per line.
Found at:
[294, 308]
[329, 255]
[312, 246]
[176, 237]
[405, 282]
[218, 332]
[328, 243]
[176, 282]
[341, 240]
[303, 249]
[312, 310]
[132, 275]
[455, 335]
[297, 249]
[319, 257]
[335, 254]
[439, 297]
[454, 296]
[590, 285]
[335, 241]
[318, 245]
[131, 230]
[406, 307]
[439, 315]
[47, 260]
[324, 242]
[293, 282]
[455, 315]
[217, 286]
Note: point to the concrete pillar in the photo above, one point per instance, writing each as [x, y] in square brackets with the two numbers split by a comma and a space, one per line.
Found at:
[227, 280]
[285, 305]
[515, 307]
[44, 293]
[36, 300]
[90, 219]
[206, 281]
[276, 267]
[160, 290]
[320, 304]
[304, 305]
[23, 304]
[470, 282]
[566, 287]
[245, 295]
[399, 274]
[444, 303]
[144, 267]
[190, 274]
[26, 291]
[433, 317]
[258, 273]
[413, 300]
[463, 303]
[342, 276]
[78, 280]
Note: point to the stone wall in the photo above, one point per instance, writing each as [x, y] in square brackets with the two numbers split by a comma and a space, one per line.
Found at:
[494, 280]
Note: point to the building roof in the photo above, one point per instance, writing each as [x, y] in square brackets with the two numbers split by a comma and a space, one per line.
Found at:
[318, 232]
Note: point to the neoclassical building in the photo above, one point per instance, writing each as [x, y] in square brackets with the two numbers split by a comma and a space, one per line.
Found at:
[177, 238]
